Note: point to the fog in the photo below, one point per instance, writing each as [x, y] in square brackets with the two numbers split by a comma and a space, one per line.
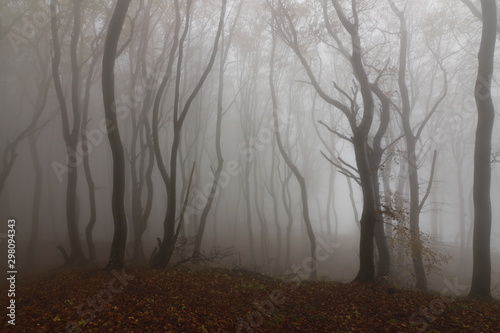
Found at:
[264, 121]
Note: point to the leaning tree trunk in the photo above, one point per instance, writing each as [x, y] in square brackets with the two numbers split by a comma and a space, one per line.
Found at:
[481, 266]
[116, 257]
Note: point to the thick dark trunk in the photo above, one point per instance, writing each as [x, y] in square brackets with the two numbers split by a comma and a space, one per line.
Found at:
[481, 267]
[166, 249]
[380, 237]
[359, 131]
[117, 253]
[375, 157]
[368, 220]
[138, 252]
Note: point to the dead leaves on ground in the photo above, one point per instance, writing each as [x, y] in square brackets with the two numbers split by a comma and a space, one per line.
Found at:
[216, 300]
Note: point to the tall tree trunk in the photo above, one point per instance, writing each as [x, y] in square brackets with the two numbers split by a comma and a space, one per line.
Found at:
[368, 220]
[481, 266]
[293, 168]
[248, 210]
[224, 49]
[261, 215]
[287, 204]
[272, 193]
[86, 160]
[116, 257]
[386, 181]
[70, 133]
[166, 249]
[411, 140]
[375, 157]
[400, 207]
[35, 212]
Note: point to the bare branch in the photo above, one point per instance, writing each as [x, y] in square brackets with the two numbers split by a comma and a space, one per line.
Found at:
[342, 169]
[335, 132]
[429, 184]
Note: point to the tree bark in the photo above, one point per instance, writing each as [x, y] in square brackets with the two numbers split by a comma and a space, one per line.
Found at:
[116, 257]
[481, 266]
[70, 133]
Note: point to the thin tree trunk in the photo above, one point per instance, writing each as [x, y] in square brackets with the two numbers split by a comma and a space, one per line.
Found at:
[86, 160]
[166, 249]
[218, 133]
[71, 135]
[287, 203]
[296, 172]
[220, 159]
[35, 212]
[411, 140]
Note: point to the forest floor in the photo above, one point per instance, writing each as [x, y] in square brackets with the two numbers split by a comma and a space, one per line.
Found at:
[217, 300]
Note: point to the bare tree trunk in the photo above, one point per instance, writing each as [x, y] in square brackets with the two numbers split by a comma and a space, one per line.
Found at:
[272, 192]
[116, 257]
[296, 172]
[353, 201]
[375, 157]
[330, 206]
[386, 181]
[86, 160]
[481, 268]
[411, 141]
[360, 131]
[400, 208]
[261, 215]
[287, 204]
[434, 212]
[248, 209]
[70, 133]
[218, 133]
[461, 210]
[165, 251]
[35, 212]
